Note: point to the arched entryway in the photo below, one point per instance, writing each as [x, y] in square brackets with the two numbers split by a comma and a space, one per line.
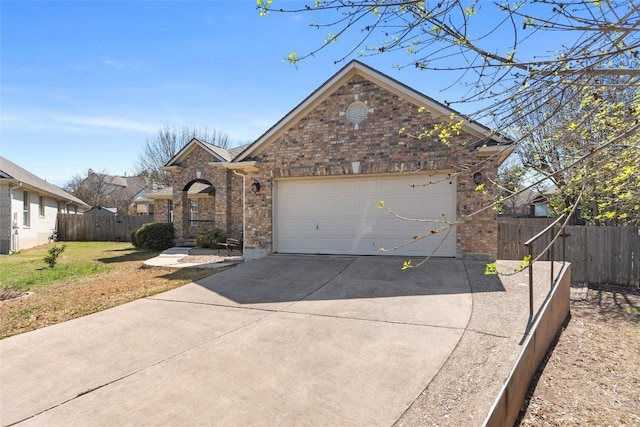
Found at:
[199, 201]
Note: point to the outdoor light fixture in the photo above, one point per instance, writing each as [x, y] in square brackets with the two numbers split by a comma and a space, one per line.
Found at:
[198, 174]
[255, 187]
[477, 178]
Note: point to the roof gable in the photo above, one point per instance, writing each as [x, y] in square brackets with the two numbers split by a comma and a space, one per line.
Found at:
[356, 68]
[218, 153]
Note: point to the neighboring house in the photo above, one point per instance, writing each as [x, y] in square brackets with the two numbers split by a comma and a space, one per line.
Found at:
[142, 204]
[115, 190]
[29, 207]
[312, 182]
[531, 203]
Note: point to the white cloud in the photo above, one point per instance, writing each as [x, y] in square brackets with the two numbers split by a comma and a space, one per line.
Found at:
[106, 122]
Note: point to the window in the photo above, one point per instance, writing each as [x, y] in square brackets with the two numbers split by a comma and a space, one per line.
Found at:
[193, 210]
[26, 209]
[170, 211]
[41, 206]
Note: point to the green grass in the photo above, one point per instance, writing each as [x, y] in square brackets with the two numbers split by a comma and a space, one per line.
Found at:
[26, 270]
[633, 310]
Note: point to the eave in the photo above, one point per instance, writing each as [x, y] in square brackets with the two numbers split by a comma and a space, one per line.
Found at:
[249, 166]
[501, 152]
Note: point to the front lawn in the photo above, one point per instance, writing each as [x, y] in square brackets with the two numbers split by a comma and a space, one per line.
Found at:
[26, 271]
[88, 277]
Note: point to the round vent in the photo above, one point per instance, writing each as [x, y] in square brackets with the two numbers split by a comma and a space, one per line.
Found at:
[357, 112]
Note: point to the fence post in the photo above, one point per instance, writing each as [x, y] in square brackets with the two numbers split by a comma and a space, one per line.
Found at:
[551, 259]
[530, 246]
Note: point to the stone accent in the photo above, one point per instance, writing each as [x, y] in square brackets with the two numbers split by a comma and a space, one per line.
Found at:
[324, 143]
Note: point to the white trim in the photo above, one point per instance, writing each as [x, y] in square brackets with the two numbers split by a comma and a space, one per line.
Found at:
[362, 213]
[187, 148]
[239, 166]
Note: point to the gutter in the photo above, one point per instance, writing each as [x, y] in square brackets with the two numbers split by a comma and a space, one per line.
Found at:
[14, 243]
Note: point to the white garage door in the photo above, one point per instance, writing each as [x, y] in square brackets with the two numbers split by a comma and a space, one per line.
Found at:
[340, 215]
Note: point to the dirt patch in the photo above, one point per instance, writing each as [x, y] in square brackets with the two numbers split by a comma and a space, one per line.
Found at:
[591, 377]
[9, 294]
[74, 298]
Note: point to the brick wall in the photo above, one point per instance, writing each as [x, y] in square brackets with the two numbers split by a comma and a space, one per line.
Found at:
[324, 143]
[161, 210]
[227, 199]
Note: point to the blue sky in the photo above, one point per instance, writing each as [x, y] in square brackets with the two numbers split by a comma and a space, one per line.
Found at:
[85, 83]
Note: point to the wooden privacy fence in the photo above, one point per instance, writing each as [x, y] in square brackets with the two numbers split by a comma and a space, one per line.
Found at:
[598, 255]
[91, 228]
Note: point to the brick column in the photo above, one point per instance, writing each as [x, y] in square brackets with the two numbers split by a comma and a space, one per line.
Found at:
[180, 215]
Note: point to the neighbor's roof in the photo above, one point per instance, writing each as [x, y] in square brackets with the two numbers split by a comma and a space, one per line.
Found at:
[12, 173]
[130, 186]
[357, 68]
[196, 189]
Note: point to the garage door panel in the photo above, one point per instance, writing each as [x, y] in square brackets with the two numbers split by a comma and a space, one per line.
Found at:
[340, 216]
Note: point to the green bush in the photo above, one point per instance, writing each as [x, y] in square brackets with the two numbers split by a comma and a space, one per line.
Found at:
[157, 236]
[210, 237]
[52, 255]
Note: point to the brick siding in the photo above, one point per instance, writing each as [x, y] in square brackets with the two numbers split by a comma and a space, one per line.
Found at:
[226, 207]
[324, 143]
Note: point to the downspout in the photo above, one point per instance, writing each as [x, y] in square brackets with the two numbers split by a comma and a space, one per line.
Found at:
[244, 213]
[14, 238]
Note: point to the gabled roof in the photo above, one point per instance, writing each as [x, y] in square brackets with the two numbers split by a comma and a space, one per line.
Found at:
[12, 173]
[219, 154]
[357, 68]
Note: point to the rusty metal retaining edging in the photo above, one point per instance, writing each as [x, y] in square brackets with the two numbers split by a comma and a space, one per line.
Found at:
[550, 318]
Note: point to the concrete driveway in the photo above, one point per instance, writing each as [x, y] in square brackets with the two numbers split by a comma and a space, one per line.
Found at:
[283, 340]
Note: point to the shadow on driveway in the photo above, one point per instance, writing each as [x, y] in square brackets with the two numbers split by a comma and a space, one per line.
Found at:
[277, 279]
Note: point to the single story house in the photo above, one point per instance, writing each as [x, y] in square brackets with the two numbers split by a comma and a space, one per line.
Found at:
[318, 181]
[29, 208]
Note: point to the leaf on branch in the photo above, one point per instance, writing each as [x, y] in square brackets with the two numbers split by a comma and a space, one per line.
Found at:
[293, 58]
[525, 263]
[407, 265]
[381, 204]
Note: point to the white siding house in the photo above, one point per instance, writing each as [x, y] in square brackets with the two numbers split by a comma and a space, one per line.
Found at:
[29, 207]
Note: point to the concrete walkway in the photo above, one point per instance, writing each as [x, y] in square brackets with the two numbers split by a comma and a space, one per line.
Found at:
[174, 258]
[283, 340]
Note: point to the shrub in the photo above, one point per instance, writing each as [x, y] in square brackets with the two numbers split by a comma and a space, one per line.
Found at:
[209, 238]
[157, 236]
[52, 255]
